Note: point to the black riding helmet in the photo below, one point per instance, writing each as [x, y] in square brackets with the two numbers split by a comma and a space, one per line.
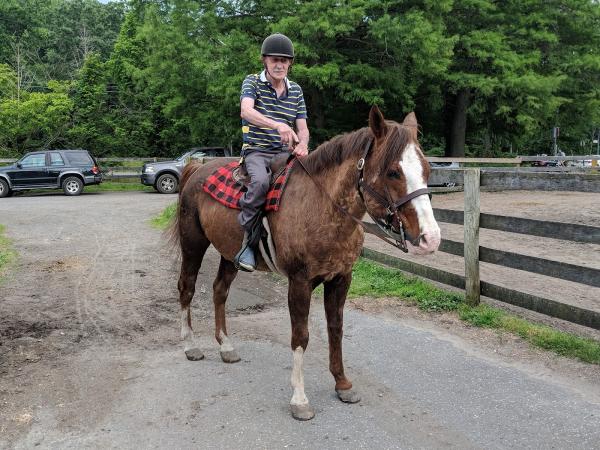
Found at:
[278, 45]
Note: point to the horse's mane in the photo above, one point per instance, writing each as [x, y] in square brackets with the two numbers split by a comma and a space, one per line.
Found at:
[344, 146]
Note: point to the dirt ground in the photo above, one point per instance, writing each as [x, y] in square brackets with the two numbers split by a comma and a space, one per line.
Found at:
[94, 289]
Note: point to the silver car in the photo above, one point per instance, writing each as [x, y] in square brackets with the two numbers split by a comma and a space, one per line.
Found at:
[164, 175]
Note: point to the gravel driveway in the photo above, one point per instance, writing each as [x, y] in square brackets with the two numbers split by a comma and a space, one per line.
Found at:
[90, 355]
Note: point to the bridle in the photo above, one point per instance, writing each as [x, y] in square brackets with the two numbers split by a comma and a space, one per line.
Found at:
[384, 228]
[392, 208]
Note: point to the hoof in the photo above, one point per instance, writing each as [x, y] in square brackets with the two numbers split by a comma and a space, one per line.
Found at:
[302, 412]
[194, 354]
[230, 356]
[348, 395]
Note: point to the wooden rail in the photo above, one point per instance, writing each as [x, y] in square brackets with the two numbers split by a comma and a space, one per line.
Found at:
[542, 305]
[555, 269]
[516, 160]
[540, 228]
[511, 179]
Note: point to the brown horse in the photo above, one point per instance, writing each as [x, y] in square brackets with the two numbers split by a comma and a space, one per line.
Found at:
[316, 241]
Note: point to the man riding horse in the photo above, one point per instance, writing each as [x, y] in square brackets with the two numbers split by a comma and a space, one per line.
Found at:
[271, 107]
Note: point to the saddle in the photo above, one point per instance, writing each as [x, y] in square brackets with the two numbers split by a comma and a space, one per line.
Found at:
[276, 166]
[228, 183]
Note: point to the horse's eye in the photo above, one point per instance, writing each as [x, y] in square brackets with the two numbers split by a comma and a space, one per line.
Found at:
[393, 174]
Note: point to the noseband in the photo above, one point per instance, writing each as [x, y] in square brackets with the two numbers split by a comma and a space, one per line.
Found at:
[392, 208]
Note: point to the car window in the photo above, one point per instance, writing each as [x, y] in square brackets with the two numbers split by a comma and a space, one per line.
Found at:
[185, 156]
[36, 160]
[56, 159]
[78, 158]
[197, 155]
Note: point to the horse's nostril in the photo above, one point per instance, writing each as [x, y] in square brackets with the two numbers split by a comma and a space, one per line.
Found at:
[430, 241]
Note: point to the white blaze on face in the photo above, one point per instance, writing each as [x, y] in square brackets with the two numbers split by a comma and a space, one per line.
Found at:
[412, 168]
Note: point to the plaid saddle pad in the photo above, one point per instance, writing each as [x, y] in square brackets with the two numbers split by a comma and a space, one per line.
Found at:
[223, 187]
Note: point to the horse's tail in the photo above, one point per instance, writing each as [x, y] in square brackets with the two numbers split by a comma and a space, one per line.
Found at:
[173, 230]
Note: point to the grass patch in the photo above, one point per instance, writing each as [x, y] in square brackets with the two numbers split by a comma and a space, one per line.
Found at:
[118, 186]
[542, 336]
[163, 220]
[374, 280]
[106, 186]
[7, 254]
[126, 164]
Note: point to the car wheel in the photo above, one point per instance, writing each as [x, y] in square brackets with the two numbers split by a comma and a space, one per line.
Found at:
[167, 184]
[72, 186]
[4, 189]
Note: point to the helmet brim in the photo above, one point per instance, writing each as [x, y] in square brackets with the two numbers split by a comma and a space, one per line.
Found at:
[278, 54]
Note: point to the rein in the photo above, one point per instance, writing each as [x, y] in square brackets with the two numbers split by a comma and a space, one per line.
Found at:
[383, 229]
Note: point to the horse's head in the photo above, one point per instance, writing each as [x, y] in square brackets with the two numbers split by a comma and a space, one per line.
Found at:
[394, 183]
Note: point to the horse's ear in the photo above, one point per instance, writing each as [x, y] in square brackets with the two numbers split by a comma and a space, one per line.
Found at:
[377, 122]
[410, 120]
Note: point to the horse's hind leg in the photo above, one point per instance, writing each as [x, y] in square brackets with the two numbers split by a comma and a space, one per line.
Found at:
[335, 297]
[226, 275]
[190, 264]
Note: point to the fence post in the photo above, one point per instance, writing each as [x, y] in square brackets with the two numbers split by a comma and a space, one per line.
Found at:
[471, 237]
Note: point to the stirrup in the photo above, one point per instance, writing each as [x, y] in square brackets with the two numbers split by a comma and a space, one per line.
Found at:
[240, 263]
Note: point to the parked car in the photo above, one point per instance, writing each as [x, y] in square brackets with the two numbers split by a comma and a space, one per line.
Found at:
[164, 176]
[69, 170]
[581, 163]
[444, 165]
[437, 181]
[545, 163]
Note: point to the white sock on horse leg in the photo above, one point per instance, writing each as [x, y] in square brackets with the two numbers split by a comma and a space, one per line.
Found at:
[299, 398]
[186, 331]
[226, 345]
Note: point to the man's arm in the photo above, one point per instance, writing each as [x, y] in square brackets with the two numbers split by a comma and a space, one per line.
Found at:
[303, 136]
[248, 113]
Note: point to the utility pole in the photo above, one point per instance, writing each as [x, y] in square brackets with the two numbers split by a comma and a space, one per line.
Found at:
[555, 134]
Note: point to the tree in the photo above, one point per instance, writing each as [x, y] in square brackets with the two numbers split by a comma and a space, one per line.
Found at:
[503, 80]
[35, 120]
[90, 129]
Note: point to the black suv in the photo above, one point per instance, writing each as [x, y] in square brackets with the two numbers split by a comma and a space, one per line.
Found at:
[70, 170]
[164, 176]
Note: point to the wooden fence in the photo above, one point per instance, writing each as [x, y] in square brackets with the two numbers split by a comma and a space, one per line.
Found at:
[497, 178]
[472, 220]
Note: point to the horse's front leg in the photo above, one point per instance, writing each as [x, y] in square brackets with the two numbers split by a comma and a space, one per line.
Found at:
[226, 275]
[335, 298]
[299, 305]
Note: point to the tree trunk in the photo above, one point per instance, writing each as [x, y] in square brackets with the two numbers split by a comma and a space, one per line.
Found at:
[455, 146]
[316, 110]
[487, 142]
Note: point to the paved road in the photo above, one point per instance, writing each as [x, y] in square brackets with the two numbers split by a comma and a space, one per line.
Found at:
[123, 382]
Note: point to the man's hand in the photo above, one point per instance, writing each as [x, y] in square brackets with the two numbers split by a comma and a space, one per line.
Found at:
[288, 136]
[301, 149]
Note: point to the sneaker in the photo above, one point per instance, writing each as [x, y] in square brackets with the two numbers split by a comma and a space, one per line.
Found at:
[245, 259]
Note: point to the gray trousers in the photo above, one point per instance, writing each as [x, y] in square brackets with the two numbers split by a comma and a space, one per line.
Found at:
[257, 165]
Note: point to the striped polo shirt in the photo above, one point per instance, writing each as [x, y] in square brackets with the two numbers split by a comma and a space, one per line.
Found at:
[287, 109]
